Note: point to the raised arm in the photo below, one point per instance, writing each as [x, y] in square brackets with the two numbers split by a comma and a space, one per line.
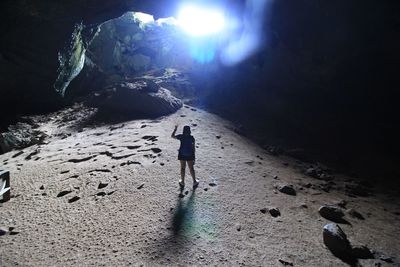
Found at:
[173, 133]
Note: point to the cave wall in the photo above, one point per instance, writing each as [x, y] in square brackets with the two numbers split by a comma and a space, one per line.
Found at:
[33, 34]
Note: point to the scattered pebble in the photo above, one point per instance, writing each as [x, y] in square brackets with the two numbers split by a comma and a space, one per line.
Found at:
[274, 212]
[263, 210]
[287, 189]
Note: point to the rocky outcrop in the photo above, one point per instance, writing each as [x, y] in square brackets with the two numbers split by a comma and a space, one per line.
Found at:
[41, 36]
[139, 97]
[19, 136]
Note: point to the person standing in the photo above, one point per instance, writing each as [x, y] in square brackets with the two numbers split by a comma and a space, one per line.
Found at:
[186, 154]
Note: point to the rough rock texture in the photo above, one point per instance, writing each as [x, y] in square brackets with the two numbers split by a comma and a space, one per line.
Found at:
[137, 98]
[19, 136]
[287, 189]
[36, 31]
[336, 241]
[332, 213]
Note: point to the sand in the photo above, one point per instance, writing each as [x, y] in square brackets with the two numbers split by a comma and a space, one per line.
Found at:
[138, 216]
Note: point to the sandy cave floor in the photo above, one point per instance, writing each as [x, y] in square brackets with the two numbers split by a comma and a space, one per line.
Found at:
[138, 218]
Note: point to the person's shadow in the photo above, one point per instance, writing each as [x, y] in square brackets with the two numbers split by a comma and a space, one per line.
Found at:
[183, 218]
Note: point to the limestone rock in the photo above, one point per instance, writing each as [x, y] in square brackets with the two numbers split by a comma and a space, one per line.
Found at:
[137, 98]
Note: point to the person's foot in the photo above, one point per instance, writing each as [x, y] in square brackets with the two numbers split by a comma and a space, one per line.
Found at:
[181, 184]
[195, 183]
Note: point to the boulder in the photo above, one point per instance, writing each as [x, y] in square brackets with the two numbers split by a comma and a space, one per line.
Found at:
[139, 97]
[332, 213]
[336, 241]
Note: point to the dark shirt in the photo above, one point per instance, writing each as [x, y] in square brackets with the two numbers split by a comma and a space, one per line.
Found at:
[187, 144]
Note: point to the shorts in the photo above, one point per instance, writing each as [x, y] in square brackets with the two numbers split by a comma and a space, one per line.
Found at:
[182, 157]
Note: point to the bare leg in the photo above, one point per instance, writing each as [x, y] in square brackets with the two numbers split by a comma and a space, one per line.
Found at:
[191, 169]
[183, 170]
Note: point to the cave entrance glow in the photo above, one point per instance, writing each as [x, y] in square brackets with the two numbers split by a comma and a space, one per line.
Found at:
[201, 21]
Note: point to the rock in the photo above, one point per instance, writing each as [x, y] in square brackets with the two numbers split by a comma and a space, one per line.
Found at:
[263, 210]
[355, 214]
[318, 172]
[41, 187]
[19, 136]
[136, 98]
[362, 252]
[274, 212]
[63, 193]
[332, 213]
[287, 189]
[386, 258]
[212, 184]
[102, 185]
[285, 263]
[336, 241]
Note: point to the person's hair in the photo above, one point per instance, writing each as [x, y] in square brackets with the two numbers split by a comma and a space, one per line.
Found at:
[186, 130]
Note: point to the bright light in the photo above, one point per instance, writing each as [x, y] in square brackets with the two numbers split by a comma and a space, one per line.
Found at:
[201, 21]
[143, 17]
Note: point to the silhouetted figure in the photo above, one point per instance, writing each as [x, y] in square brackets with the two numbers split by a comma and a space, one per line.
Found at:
[186, 154]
